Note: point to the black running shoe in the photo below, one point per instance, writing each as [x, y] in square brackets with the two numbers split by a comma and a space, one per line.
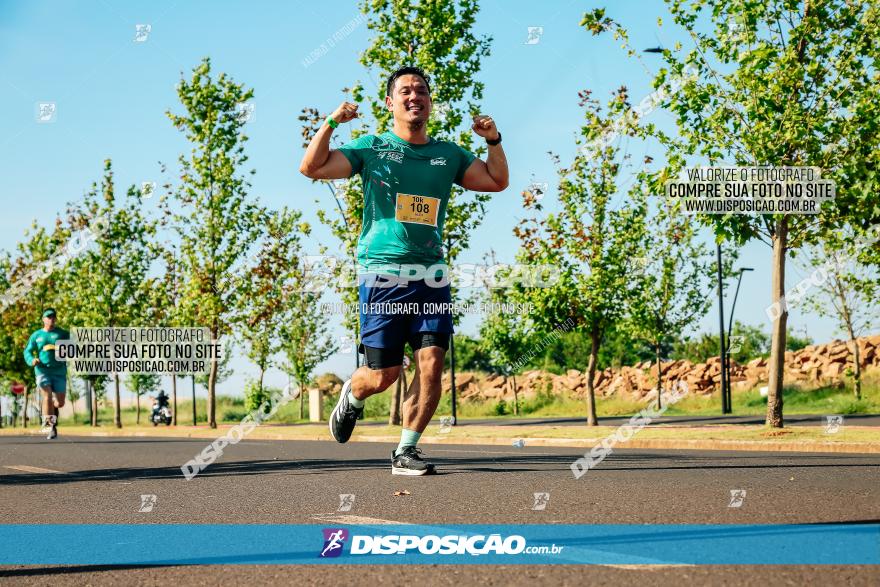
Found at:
[344, 416]
[49, 423]
[410, 462]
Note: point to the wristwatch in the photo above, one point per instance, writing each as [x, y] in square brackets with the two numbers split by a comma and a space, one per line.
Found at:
[495, 142]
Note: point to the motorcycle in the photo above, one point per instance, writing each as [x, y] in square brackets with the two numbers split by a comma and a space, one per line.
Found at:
[161, 411]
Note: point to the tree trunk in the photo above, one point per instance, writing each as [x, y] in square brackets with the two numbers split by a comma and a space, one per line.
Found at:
[194, 399]
[137, 400]
[777, 341]
[659, 376]
[515, 397]
[857, 370]
[592, 420]
[212, 383]
[174, 399]
[117, 410]
[394, 412]
[88, 400]
[94, 395]
[302, 402]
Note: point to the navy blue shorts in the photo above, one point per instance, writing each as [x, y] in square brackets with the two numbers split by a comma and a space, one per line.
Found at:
[392, 311]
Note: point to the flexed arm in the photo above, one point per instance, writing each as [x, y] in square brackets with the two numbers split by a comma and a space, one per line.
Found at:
[321, 162]
[491, 175]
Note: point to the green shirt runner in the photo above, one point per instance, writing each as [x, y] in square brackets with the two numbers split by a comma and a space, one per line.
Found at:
[41, 345]
[406, 191]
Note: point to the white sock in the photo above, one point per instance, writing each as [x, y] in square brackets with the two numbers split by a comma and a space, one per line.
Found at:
[358, 403]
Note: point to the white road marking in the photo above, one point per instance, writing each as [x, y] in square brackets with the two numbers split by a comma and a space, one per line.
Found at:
[29, 469]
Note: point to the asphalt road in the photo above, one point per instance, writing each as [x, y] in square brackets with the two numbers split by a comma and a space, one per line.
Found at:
[100, 480]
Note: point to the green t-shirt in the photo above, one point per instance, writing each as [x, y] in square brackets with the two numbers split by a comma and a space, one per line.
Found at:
[42, 344]
[406, 190]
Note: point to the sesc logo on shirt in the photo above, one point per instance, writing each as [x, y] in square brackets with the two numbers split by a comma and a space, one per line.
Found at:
[438, 161]
[395, 156]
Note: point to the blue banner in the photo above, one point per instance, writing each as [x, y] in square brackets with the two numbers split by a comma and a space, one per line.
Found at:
[650, 544]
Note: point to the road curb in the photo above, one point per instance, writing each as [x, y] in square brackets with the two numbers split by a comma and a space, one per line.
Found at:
[585, 443]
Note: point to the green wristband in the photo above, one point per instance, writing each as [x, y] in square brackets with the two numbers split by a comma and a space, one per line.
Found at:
[331, 122]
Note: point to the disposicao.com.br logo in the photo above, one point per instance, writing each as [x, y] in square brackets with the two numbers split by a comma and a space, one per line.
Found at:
[334, 539]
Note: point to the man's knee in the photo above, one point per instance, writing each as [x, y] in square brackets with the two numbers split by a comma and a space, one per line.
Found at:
[430, 362]
[59, 400]
[382, 379]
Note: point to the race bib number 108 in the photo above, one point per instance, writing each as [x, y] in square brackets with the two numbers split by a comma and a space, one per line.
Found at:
[417, 209]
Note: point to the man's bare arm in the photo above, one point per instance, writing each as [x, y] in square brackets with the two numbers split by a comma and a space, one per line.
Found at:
[491, 175]
[321, 162]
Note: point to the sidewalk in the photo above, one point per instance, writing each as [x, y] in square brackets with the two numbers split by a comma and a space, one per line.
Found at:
[741, 437]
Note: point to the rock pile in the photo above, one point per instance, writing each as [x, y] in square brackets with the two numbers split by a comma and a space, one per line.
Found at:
[812, 365]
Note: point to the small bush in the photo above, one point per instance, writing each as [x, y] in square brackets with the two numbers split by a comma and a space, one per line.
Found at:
[854, 406]
[233, 415]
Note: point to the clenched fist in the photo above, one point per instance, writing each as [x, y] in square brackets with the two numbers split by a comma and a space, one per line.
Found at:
[347, 111]
[485, 127]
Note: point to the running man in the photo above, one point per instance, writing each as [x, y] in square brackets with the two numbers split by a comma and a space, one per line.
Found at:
[51, 374]
[407, 179]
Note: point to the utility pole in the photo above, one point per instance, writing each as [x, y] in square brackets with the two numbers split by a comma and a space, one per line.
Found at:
[730, 334]
[725, 407]
[452, 375]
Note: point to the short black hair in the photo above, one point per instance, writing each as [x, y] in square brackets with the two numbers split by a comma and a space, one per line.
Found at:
[409, 70]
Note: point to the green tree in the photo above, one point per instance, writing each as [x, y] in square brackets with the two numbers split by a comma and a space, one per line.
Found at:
[505, 339]
[17, 321]
[164, 309]
[215, 219]
[223, 369]
[268, 286]
[108, 285]
[305, 337]
[591, 240]
[141, 383]
[848, 294]
[671, 282]
[779, 83]
[33, 278]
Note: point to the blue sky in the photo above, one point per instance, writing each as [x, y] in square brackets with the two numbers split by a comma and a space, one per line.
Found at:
[112, 92]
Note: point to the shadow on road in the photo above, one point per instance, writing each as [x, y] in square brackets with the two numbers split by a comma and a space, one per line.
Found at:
[491, 462]
[38, 571]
